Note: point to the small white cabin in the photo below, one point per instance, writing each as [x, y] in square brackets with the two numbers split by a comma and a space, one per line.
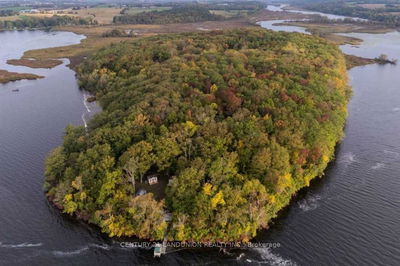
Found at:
[152, 179]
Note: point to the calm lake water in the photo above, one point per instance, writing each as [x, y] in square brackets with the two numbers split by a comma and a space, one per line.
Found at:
[349, 217]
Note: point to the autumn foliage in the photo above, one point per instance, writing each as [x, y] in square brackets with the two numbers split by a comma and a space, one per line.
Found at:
[237, 120]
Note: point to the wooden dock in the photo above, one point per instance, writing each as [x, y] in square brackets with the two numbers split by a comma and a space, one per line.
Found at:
[161, 249]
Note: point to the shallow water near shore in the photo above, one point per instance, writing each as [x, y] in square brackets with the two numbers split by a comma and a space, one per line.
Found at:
[349, 217]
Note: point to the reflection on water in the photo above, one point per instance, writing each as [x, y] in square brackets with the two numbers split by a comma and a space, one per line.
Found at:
[274, 25]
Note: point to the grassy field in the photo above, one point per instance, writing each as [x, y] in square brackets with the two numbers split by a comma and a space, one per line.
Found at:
[9, 18]
[101, 14]
[16, 8]
[12, 18]
[230, 13]
[104, 15]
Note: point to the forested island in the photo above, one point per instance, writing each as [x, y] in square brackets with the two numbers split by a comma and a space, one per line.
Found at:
[236, 122]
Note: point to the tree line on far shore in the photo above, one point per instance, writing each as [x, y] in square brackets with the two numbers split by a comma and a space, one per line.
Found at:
[179, 14]
[29, 22]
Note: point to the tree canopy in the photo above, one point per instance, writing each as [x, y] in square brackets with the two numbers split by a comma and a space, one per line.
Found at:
[237, 120]
[178, 14]
[28, 22]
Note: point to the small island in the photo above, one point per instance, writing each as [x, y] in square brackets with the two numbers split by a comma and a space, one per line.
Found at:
[202, 136]
[384, 59]
[6, 76]
[35, 63]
